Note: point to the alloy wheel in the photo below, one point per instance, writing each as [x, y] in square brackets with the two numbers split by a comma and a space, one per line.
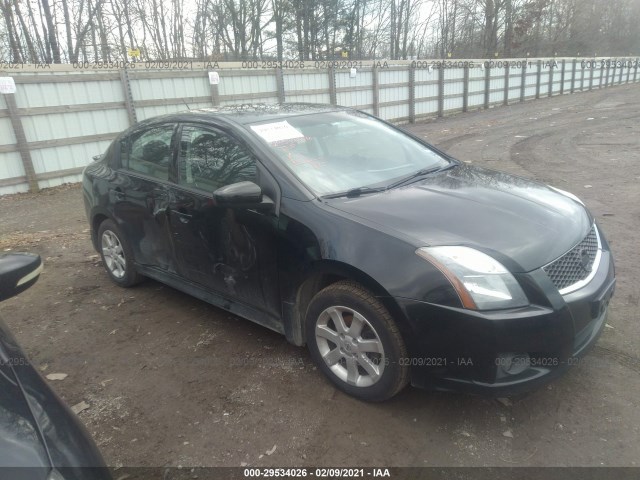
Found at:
[350, 346]
[113, 254]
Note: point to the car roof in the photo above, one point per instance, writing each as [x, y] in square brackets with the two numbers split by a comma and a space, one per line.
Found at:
[250, 113]
[259, 112]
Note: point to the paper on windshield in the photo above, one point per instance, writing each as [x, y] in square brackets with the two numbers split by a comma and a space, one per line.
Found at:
[277, 131]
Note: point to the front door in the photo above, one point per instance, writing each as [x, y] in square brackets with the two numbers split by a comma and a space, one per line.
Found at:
[219, 247]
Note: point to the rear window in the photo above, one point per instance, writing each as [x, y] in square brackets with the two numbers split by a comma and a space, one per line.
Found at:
[149, 151]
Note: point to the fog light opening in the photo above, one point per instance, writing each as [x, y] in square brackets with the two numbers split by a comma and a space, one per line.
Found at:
[513, 363]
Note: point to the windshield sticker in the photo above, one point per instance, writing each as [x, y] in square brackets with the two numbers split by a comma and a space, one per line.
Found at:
[277, 131]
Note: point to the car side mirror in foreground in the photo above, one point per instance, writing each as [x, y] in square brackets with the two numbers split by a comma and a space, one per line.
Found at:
[18, 271]
[242, 195]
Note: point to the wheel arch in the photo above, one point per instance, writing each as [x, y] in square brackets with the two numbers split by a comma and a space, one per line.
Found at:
[321, 275]
[97, 217]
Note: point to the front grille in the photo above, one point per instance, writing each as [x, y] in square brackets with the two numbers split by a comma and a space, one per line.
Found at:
[576, 264]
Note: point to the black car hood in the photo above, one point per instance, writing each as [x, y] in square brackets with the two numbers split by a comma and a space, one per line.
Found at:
[36, 428]
[20, 442]
[528, 223]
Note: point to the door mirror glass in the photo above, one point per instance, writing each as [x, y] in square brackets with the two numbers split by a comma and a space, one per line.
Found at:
[18, 271]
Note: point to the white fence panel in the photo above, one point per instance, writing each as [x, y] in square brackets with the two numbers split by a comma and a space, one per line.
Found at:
[399, 113]
[74, 124]
[68, 116]
[515, 82]
[7, 135]
[11, 167]
[310, 81]
[453, 89]
[424, 108]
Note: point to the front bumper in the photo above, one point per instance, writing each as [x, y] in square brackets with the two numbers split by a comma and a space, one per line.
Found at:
[456, 349]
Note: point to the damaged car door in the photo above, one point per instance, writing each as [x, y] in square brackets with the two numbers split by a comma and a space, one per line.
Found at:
[219, 246]
[140, 196]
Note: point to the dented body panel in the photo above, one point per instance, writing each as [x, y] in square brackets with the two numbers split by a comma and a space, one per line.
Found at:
[265, 264]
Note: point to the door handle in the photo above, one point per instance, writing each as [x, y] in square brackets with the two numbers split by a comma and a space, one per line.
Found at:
[160, 212]
[183, 215]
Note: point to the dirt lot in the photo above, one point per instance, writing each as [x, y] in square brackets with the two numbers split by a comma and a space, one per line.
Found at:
[173, 381]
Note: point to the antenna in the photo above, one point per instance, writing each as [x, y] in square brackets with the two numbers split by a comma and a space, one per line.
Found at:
[185, 104]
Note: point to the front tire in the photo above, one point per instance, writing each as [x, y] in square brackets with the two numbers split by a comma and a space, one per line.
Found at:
[117, 256]
[355, 342]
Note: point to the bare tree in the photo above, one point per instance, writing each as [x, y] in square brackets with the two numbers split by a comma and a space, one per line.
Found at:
[281, 9]
[14, 43]
[32, 30]
[52, 38]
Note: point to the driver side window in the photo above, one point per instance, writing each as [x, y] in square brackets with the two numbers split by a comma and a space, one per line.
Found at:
[210, 159]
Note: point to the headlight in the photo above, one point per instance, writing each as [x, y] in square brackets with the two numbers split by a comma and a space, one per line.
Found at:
[481, 281]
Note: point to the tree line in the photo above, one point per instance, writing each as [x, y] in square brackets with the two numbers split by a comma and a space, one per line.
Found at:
[69, 31]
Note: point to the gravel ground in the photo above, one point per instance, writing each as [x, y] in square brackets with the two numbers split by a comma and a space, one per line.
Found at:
[173, 381]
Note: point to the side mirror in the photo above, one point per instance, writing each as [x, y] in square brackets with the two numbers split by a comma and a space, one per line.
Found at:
[18, 271]
[242, 195]
[241, 192]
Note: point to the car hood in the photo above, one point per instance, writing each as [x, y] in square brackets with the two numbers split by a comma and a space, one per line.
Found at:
[522, 223]
[36, 428]
[21, 445]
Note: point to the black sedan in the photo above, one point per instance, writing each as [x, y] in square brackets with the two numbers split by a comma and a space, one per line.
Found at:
[390, 260]
[40, 438]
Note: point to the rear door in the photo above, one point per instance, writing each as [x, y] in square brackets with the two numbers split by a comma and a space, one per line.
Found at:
[140, 194]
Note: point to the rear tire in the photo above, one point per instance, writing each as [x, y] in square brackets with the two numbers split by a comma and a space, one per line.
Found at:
[117, 256]
[355, 342]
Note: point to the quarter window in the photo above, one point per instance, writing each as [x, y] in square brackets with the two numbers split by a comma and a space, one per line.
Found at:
[149, 152]
[210, 159]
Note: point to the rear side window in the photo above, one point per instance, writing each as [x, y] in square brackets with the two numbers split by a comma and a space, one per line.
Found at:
[149, 152]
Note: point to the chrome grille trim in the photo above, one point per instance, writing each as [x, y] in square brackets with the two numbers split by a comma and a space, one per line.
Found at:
[553, 275]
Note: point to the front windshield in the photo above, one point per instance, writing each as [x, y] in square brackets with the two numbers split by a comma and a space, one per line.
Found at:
[341, 151]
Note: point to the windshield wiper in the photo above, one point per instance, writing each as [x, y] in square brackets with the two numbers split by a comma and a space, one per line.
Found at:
[356, 192]
[419, 173]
